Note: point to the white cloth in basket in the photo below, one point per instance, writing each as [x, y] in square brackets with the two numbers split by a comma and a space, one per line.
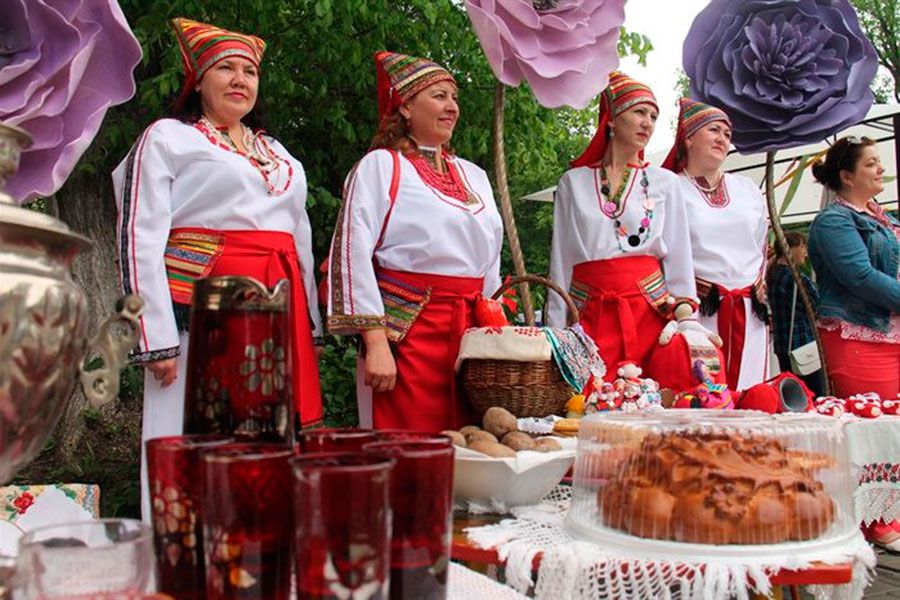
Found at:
[524, 344]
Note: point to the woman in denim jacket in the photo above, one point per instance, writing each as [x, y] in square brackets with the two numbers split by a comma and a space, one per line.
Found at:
[854, 249]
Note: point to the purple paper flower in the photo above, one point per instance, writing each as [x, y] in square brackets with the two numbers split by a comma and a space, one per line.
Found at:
[565, 49]
[787, 72]
[63, 63]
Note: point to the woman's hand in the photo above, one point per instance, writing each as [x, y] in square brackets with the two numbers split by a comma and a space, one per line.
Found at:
[381, 370]
[165, 371]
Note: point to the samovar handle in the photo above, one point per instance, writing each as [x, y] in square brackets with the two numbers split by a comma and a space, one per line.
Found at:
[101, 385]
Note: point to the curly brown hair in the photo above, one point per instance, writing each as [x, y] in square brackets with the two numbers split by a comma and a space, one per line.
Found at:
[393, 133]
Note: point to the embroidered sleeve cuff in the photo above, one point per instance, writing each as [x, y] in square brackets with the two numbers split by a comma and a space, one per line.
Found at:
[142, 358]
[351, 324]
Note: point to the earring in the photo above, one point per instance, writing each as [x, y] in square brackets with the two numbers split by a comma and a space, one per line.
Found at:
[612, 133]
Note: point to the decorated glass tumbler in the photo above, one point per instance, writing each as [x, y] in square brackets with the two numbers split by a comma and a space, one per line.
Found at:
[247, 521]
[109, 559]
[421, 498]
[173, 467]
[342, 521]
[334, 439]
[239, 360]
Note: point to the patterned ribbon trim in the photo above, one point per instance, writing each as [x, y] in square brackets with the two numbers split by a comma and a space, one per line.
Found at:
[708, 355]
[402, 304]
[580, 293]
[190, 255]
[655, 290]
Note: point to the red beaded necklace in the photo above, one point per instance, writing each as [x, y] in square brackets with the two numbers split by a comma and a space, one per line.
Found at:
[266, 161]
[449, 183]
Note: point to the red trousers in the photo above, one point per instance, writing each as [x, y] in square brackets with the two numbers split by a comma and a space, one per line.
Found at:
[857, 367]
[270, 256]
[426, 396]
[617, 314]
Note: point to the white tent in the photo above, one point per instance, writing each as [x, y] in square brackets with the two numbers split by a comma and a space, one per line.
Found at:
[880, 124]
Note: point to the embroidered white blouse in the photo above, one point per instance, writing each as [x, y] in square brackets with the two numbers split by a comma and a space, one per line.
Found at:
[728, 236]
[582, 232]
[174, 176]
[427, 232]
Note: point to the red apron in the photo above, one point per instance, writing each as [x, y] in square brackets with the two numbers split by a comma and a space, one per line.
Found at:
[731, 321]
[270, 256]
[425, 397]
[619, 312]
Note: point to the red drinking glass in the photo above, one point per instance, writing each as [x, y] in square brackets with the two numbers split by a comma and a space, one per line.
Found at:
[239, 360]
[342, 525]
[391, 435]
[334, 439]
[173, 466]
[421, 497]
[247, 521]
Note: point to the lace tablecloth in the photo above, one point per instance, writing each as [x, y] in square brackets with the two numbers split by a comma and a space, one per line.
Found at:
[874, 446]
[571, 569]
[466, 584]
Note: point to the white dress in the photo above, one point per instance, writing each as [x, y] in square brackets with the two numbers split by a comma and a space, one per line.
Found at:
[174, 177]
[728, 237]
[582, 233]
[427, 232]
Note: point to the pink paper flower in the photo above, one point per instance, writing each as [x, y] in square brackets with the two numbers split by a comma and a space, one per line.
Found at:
[564, 49]
[63, 63]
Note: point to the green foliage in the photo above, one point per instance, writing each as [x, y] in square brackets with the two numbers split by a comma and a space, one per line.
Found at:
[318, 95]
[880, 19]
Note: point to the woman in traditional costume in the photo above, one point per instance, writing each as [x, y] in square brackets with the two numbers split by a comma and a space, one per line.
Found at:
[729, 228]
[206, 195]
[620, 236]
[417, 243]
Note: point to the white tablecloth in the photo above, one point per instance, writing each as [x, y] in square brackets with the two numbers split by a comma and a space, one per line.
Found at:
[466, 584]
[874, 448]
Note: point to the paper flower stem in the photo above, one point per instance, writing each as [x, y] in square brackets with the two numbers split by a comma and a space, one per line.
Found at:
[775, 217]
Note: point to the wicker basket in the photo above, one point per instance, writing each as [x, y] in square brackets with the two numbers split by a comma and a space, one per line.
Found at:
[526, 389]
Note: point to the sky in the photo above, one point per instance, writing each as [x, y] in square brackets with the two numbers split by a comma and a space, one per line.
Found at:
[666, 23]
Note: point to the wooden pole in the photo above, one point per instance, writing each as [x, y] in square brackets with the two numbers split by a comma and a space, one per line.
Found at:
[795, 271]
[506, 211]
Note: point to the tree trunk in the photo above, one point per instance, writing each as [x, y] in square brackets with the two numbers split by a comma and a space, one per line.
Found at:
[86, 205]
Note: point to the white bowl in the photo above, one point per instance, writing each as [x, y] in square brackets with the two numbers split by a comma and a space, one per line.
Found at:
[505, 482]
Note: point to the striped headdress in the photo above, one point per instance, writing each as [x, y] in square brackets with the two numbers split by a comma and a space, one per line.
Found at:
[400, 77]
[203, 45]
[692, 117]
[622, 93]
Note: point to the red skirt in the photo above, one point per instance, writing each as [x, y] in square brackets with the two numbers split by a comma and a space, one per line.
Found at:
[426, 396]
[270, 256]
[619, 313]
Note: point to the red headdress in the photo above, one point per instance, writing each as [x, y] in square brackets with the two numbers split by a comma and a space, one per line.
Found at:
[203, 45]
[622, 93]
[692, 117]
[400, 77]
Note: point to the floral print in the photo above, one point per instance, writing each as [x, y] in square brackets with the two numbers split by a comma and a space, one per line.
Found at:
[175, 522]
[224, 559]
[265, 367]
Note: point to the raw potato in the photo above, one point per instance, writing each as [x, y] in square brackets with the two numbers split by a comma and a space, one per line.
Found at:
[469, 429]
[492, 449]
[499, 421]
[480, 436]
[518, 440]
[547, 445]
[458, 438]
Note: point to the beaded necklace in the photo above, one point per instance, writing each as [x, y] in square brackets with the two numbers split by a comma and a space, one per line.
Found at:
[615, 206]
[449, 183]
[715, 195]
[257, 151]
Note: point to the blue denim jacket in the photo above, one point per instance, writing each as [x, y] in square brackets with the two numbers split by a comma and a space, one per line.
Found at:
[855, 258]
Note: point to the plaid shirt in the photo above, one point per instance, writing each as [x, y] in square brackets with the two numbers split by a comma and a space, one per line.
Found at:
[781, 293]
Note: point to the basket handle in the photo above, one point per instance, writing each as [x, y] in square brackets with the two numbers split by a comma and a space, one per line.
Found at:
[572, 315]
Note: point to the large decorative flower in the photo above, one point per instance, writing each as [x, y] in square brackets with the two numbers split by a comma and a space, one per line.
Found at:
[787, 72]
[565, 49]
[63, 63]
